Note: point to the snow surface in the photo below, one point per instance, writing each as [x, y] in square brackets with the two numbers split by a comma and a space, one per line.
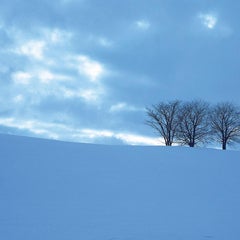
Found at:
[52, 190]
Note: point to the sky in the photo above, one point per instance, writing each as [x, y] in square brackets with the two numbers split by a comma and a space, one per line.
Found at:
[85, 70]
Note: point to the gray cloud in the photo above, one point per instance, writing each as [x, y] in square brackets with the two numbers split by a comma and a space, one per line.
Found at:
[96, 66]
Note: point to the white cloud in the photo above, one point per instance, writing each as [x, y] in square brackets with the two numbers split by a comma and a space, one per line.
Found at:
[208, 20]
[38, 128]
[35, 47]
[92, 134]
[92, 69]
[43, 75]
[122, 106]
[133, 139]
[127, 138]
[19, 98]
[88, 95]
[100, 41]
[21, 77]
[56, 36]
[43, 83]
[142, 24]
[105, 42]
[212, 22]
[63, 132]
[46, 76]
[40, 71]
[32, 48]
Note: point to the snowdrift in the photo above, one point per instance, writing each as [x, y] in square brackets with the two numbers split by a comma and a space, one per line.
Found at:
[52, 190]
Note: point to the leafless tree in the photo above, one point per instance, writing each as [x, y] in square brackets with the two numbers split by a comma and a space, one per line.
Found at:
[193, 123]
[225, 123]
[163, 117]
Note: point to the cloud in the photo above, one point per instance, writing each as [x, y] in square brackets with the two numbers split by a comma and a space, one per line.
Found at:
[63, 132]
[37, 128]
[127, 138]
[67, 57]
[134, 139]
[47, 76]
[52, 69]
[21, 77]
[105, 42]
[122, 106]
[208, 20]
[42, 84]
[142, 24]
[32, 48]
[87, 84]
[18, 99]
[92, 69]
[90, 96]
[213, 23]
[101, 41]
[39, 45]
[56, 36]
[43, 75]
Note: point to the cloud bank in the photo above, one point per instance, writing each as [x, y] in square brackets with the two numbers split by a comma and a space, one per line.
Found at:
[84, 71]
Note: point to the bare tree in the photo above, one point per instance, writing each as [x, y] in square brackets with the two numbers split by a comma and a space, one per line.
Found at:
[193, 123]
[163, 117]
[225, 123]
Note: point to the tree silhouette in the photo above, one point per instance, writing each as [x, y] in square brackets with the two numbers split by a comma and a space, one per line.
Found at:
[193, 123]
[225, 123]
[163, 117]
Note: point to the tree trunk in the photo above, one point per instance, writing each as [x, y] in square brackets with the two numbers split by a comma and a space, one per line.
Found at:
[224, 145]
[192, 144]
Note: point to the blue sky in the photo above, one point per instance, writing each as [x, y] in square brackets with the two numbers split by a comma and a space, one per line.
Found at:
[84, 70]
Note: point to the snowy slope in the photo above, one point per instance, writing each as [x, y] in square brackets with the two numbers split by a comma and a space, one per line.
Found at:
[53, 190]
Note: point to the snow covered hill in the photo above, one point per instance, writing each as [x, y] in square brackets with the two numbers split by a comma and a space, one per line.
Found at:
[52, 190]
